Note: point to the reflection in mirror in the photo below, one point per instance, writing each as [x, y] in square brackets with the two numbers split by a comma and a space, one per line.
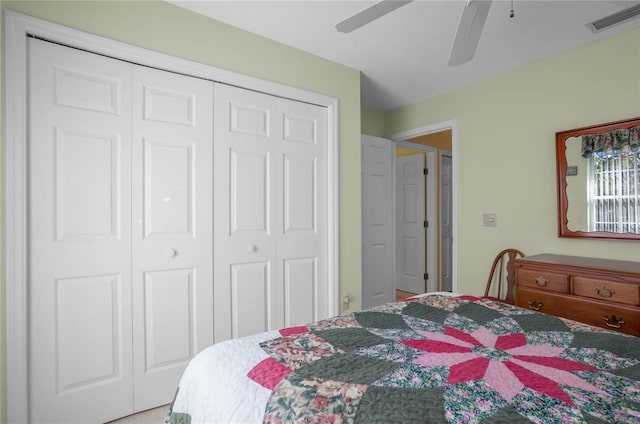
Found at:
[599, 181]
[578, 209]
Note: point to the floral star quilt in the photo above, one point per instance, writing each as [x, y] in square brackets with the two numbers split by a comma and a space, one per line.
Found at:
[441, 359]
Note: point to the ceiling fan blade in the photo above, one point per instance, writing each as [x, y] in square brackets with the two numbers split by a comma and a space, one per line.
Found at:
[470, 27]
[369, 14]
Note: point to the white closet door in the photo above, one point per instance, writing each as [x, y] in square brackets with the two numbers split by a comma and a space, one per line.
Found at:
[172, 229]
[121, 249]
[244, 223]
[80, 336]
[301, 196]
[270, 222]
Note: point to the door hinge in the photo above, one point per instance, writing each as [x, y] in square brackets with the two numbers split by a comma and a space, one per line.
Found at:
[426, 276]
[426, 224]
[425, 171]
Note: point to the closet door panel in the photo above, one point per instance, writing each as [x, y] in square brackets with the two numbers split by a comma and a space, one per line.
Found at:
[301, 190]
[172, 150]
[300, 195]
[250, 118]
[300, 288]
[79, 236]
[250, 287]
[88, 89]
[245, 298]
[88, 331]
[168, 188]
[249, 189]
[169, 335]
[87, 159]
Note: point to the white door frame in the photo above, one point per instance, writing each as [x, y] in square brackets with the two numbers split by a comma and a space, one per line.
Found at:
[452, 125]
[431, 261]
[17, 28]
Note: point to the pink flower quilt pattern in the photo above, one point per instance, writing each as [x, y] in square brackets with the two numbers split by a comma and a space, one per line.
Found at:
[450, 359]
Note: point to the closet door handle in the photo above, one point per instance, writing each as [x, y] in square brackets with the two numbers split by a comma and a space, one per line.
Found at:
[172, 253]
[252, 248]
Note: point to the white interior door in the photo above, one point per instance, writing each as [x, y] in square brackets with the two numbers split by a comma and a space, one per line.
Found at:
[446, 221]
[410, 231]
[172, 229]
[270, 173]
[80, 339]
[378, 286]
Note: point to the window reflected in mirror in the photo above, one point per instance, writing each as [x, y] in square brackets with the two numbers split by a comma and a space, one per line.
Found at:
[604, 190]
[599, 181]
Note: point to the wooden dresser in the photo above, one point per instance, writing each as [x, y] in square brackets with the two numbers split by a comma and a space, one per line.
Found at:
[601, 292]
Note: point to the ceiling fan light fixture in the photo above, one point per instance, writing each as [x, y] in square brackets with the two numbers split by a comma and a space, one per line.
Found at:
[614, 18]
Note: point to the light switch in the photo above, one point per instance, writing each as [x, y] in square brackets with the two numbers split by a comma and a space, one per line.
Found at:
[489, 220]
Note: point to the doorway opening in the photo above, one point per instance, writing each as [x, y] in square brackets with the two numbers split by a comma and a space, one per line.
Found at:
[438, 144]
[381, 214]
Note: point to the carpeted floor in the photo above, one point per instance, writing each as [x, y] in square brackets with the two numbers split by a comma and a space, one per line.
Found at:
[403, 294]
[152, 416]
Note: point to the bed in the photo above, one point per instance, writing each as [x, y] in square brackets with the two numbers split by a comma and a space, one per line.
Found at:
[430, 359]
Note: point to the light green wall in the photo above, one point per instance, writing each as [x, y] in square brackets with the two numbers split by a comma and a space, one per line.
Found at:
[163, 27]
[372, 122]
[506, 124]
[506, 148]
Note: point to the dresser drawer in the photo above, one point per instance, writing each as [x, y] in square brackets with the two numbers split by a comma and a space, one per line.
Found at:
[580, 309]
[543, 279]
[541, 301]
[611, 291]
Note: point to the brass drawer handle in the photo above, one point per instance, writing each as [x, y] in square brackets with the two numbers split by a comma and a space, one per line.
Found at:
[542, 282]
[613, 322]
[605, 292]
[535, 305]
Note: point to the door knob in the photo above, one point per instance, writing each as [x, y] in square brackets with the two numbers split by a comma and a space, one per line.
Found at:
[252, 248]
[171, 253]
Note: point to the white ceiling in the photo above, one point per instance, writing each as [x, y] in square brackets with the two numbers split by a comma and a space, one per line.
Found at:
[403, 55]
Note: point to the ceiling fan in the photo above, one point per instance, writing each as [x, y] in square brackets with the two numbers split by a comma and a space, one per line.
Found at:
[467, 37]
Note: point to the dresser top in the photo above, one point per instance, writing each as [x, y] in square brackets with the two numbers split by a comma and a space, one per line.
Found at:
[625, 267]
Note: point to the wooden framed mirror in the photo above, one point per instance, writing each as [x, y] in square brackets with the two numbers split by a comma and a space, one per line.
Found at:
[598, 174]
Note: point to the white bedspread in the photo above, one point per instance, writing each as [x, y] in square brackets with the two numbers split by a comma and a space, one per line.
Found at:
[238, 399]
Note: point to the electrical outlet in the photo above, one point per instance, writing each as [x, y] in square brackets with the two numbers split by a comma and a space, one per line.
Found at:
[489, 220]
[345, 302]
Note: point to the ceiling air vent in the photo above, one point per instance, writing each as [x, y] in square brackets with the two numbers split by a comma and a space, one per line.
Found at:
[614, 18]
